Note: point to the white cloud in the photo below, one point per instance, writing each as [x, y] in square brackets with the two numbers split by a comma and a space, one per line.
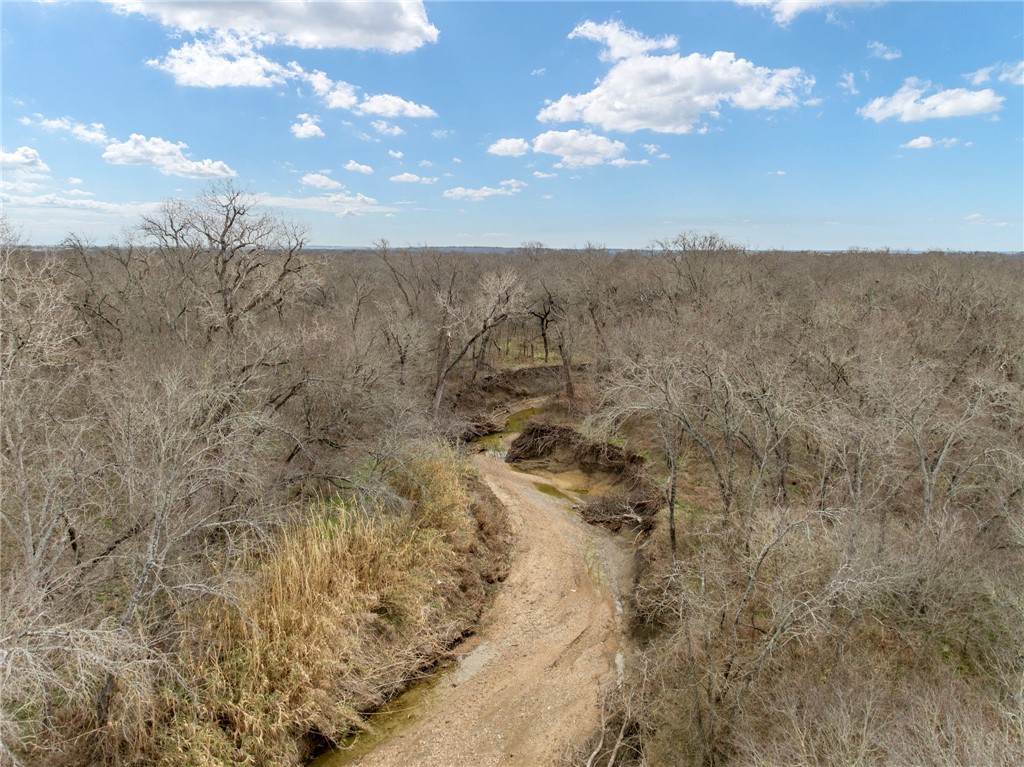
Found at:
[776, 173]
[94, 133]
[167, 157]
[23, 171]
[784, 11]
[425, 164]
[412, 178]
[320, 181]
[848, 83]
[538, 72]
[55, 201]
[341, 204]
[396, 154]
[620, 42]
[394, 27]
[542, 174]
[224, 60]
[978, 218]
[927, 142]
[23, 158]
[577, 149]
[307, 127]
[74, 181]
[909, 104]
[655, 150]
[980, 76]
[1013, 73]
[340, 95]
[506, 188]
[356, 167]
[883, 51]
[441, 133]
[671, 93]
[509, 147]
[385, 128]
[622, 162]
[386, 105]
[1007, 73]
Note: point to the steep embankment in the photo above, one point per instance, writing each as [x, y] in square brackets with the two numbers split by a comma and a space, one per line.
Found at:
[530, 682]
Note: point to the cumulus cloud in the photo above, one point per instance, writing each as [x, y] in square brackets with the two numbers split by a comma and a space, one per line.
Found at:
[396, 154]
[224, 60]
[671, 93]
[385, 128]
[927, 142]
[619, 41]
[93, 133]
[412, 178]
[23, 158]
[228, 55]
[340, 95]
[622, 162]
[784, 11]
[909, 103]
[307, 127]
[167, 157]
[394, 27]
[386, 105]
[1008, 73]
[883, 51]
[320, 181]
[509, 147]
[577, 149]
[356, 167]
[542, 174]
[507, 188]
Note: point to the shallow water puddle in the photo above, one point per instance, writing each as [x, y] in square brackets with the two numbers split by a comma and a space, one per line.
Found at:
[392, 717]
[405, 709]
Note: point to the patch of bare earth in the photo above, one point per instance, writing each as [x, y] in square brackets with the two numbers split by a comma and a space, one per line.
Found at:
[529, 684]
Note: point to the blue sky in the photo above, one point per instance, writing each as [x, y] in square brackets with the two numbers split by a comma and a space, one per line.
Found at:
[779, 124]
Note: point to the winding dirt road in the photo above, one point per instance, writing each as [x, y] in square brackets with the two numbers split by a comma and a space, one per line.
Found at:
[529, 684]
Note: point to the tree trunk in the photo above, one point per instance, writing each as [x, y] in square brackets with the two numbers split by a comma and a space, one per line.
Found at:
[444, 350]
[570, 391]
[672, 504]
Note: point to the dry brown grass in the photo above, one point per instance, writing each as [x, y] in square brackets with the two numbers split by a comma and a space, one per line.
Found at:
[347, 608]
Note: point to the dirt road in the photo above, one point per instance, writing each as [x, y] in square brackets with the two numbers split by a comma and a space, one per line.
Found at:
[530, 682]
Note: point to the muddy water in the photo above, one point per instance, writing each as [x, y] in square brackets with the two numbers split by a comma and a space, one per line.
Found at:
[388, 720]
[499, 441]
[405, 709]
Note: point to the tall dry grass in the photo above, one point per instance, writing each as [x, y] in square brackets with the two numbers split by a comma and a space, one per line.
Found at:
[347, 607]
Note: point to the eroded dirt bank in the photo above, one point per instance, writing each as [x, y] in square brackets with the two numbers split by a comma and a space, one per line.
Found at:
[530, 682]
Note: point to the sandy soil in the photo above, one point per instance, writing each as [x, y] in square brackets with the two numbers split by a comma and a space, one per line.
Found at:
[530, 682]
